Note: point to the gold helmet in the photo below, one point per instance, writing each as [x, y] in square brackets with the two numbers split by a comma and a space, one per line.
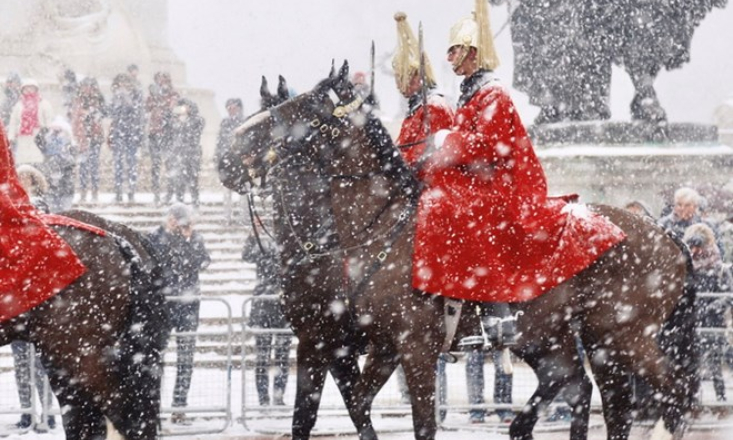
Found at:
[406, 61]
[475, 32]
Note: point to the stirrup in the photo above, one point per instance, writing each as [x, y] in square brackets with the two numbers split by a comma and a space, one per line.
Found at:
[475, 342]
[500, 332]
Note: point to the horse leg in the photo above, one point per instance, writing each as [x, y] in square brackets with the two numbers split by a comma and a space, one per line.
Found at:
[420, 375]
[92, 383]
[614, 384]
[649, 362]
[668, 382]
[311, 375]
[556, 366]
[380, 364]
[81, 419]
[345, 372]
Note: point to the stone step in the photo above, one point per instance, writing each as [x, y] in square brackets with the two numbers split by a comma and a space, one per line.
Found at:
[227, 276]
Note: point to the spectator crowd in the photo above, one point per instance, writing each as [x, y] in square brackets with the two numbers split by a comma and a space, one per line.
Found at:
[66, 144]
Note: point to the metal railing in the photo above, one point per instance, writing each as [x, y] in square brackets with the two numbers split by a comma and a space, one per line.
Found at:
[210, 395]
[212, 398]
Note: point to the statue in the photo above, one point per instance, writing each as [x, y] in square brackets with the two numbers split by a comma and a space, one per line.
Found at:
[564, 51]
[42, 38]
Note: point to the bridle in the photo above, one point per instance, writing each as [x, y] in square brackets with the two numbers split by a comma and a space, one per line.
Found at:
[328, 129]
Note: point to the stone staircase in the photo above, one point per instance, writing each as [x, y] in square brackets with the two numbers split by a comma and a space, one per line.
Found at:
[227, 278]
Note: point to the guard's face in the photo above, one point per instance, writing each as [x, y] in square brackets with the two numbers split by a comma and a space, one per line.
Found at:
[413, 86]
[458, 57]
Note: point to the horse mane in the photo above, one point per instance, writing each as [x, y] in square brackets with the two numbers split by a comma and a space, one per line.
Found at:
[389, 157]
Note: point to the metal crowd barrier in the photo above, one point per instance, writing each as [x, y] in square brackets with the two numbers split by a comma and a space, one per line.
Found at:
[389, 404]
[210, 397]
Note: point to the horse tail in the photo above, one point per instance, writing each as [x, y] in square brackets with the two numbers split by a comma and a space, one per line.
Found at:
[679, 339]
[143, 343]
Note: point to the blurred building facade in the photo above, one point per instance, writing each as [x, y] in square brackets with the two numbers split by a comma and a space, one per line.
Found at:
[43, 38]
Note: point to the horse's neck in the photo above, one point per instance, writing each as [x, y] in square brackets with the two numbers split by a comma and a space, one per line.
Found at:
[365, 209]
[303, 211]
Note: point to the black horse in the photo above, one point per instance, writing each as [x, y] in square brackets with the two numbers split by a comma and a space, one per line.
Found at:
[630, 308]
[101, 338]
[314, 295]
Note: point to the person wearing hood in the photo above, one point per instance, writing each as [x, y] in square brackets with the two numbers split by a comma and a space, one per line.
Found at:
[29, 115]
[59, 163]
[184, 163]
[11, 94]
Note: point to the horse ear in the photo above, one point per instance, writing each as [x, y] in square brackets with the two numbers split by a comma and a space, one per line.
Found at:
[344, 71]
[332, 73]
[264, 89]
[282, 88]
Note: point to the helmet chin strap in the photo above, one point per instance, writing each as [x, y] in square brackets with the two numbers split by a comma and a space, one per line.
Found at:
[459, 62]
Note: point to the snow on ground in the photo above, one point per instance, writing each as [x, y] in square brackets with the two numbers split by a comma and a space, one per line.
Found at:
[209, 397]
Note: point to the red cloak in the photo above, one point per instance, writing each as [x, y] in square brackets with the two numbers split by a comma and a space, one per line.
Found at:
[35, 263]
[412, 133]
[486, 229]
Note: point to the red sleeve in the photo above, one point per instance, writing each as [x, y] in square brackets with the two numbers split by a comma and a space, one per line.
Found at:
[413, 131]
[441, 116]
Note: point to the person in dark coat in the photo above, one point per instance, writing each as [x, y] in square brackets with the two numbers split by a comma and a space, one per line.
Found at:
[710, 275]
[184, 163]
[88, 110]
[685, 213]
[11, 95]
[159, 105]
[183, 250]
[235, 118]
[59, 163]
[126, 133]
[267, 314]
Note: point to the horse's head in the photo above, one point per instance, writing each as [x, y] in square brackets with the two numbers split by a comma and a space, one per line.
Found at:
[237, 169]
[313, 124]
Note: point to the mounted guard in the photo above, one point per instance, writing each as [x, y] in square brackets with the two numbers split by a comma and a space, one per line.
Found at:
[35, 263]
[486, 228]
[416, 82]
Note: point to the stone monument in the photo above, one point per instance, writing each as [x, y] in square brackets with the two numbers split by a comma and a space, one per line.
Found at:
[100, 38]
[566, 71]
